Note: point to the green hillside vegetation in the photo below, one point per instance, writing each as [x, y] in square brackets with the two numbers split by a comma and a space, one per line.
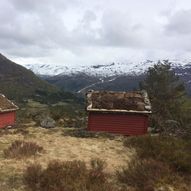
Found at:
[18, 83]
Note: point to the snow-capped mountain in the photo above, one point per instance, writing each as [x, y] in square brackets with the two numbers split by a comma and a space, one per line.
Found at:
[113, 76]
[112, 69]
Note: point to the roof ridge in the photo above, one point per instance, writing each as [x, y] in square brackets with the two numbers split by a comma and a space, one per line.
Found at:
[6, 104]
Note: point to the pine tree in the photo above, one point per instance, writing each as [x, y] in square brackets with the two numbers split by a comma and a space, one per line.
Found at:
[165, 91]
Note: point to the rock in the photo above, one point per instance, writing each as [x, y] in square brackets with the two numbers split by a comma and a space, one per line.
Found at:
[148, 107]
[66, 119]
[165, 188]
[150, 129]
[61, 122]
[48, 122]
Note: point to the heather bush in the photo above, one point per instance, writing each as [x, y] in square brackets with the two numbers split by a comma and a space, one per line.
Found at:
[63, 176]
[144, 175]
[19, 149]
[32, 176]
[173, 151]
[67, 176]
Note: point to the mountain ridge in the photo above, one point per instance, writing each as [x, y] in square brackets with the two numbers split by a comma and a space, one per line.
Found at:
[112, 76]
[102, 70]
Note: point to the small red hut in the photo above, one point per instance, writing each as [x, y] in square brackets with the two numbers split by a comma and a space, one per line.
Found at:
[118, 112]
[7, 112]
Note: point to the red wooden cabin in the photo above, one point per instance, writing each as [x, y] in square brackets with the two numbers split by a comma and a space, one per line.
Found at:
[7, 112]
[118, 112]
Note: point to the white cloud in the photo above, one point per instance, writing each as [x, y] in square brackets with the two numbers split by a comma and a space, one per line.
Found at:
[180, 23]
[88, 31]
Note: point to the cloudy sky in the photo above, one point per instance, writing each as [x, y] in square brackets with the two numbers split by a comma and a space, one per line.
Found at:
[73, 32]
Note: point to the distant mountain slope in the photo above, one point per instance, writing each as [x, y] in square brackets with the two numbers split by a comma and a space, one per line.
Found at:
[72, 83]
[18, 82]
[80, 83]
[113, 76]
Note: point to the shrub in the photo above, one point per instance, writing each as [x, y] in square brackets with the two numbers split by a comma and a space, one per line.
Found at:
[69, 176]
[144, 175]
[81, 133]
[20, 149]
[65, 173]
[173, 151]
[32, 176]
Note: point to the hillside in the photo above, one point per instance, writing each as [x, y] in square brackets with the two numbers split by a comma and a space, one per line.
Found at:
[72, 83]
[80, 83]
[18, 82]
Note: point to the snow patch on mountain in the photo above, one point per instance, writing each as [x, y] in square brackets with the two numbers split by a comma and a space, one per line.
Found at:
[111, 69]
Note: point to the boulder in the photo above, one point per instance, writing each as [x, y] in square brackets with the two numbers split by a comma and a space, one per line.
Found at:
[48, 122]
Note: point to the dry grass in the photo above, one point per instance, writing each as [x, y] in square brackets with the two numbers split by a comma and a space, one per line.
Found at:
[59, 147]
[64, 148]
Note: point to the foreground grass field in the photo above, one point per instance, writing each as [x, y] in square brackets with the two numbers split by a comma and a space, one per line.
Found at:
[66, 159]
[57, 146]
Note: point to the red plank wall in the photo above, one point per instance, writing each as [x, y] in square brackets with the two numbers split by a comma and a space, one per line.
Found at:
[120, 123]
[7, 118]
